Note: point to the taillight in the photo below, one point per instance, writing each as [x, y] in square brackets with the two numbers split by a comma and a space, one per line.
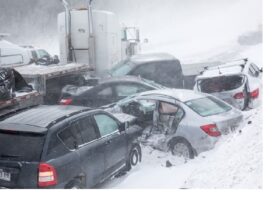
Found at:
[46, 175]
[211, 130]
[66, 101]
[255, 94]
[239, 95]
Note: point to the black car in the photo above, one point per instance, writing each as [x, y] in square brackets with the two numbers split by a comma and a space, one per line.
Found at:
[109, 90]
[65, 147]
[162, 68]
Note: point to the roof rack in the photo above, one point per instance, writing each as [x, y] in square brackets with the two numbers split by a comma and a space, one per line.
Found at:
[67, 116]
[238, 62]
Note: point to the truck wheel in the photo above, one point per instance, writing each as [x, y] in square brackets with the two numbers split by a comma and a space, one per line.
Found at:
[182, 148]
[134, 157]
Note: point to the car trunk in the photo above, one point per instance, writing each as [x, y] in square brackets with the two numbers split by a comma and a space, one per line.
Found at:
[227, 121]
[226, 88]
[20, 155]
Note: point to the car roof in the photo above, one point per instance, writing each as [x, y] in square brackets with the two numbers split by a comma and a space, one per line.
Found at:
[151, 57]
[121, 79]
[226, 71]
[182, 95]
[40, 117]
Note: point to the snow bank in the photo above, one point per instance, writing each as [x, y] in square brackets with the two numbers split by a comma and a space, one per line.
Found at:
[235, 162]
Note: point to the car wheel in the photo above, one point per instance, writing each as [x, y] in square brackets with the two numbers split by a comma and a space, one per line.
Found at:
[134, 157]
[182, 148]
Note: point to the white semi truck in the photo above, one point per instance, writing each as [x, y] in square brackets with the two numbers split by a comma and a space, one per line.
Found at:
[90, 42]
[95, 38]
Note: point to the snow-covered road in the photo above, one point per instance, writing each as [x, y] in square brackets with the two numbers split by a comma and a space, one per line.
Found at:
[235, 162]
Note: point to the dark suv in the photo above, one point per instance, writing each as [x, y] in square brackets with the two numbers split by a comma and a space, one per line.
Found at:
[65, 147]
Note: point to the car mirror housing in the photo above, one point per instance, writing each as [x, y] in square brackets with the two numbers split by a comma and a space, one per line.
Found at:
[123, 126]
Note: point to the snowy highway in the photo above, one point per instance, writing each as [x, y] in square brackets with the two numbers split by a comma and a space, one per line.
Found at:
[235, 162]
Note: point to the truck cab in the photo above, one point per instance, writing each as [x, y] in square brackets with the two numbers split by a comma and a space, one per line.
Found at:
[162, 68]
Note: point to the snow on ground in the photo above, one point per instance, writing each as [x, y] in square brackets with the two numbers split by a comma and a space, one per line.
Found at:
[235, 162]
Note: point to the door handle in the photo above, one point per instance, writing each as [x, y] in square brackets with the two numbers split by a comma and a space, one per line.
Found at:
[108, 142]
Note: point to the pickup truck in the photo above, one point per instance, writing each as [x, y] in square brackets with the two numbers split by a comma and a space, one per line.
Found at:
[162, 68]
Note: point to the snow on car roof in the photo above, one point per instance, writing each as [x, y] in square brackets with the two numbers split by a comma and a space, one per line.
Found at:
[42, 116]
[179, 94]
[221, 71]
[149, 57]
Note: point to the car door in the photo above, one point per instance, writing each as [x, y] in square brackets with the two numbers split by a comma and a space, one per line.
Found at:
[116, 142]
[91, 150]
[99, 96]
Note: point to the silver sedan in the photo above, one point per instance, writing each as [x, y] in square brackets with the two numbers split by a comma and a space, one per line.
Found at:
[181, 121]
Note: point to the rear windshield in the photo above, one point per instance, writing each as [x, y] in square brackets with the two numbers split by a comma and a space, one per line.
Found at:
[21, 146]
[207, 106]
[219, 84]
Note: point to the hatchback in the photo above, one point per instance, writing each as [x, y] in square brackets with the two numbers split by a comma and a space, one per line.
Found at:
[65, 147]
[238, 83]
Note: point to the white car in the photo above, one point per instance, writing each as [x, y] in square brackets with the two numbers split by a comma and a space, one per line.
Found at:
[238, 83]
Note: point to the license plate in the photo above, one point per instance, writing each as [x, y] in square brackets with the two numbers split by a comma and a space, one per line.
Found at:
[5, 175]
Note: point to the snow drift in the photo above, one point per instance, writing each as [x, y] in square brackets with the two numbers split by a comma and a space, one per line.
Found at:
[235, 162]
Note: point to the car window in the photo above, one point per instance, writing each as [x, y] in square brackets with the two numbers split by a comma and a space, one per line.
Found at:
[220, 84]
[106, 92]
[207, 106]
[106, 124]
[147, 71]
[43, 53]
[170, 68]
[122, 68]
[124, 90]
[21, 146]
[70, 136]
[34, 55]
[86, 129]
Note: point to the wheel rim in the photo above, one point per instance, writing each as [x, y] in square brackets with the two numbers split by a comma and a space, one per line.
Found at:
[181, 150]
[134, 158]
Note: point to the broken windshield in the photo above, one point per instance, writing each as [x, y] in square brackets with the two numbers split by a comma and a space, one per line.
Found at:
[219, 84]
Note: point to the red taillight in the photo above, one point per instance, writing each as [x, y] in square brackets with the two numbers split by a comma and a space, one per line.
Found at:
[66, 101]
[255, 94]
[211, 130]
[239, 95]
[46, 175]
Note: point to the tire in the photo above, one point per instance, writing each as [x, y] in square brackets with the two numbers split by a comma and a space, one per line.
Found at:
[181, 147]
[75, 184]
[134, 157]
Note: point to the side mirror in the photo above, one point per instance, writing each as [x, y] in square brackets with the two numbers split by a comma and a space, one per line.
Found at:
[123, 126]
[261, 69]
[76, 146]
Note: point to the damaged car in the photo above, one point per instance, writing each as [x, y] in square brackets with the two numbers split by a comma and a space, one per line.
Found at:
[107, 91]
[238, 83]
[181, 121]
